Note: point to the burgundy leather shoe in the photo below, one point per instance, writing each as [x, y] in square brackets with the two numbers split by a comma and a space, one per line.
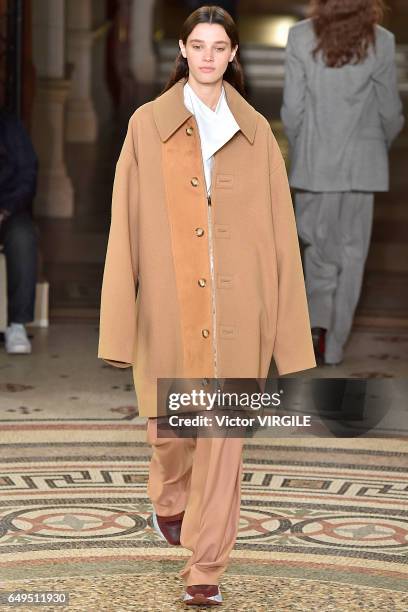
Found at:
[203, 595]
[319, 343]
[168, 527]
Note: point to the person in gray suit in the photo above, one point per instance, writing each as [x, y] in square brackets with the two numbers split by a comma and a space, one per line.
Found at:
[341, 111]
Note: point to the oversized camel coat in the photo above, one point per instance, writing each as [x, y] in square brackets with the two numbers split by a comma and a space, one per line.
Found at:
[194, 286]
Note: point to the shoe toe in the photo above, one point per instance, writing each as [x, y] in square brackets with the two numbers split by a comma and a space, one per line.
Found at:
[203, 595]
[18, 348]
[167, 530]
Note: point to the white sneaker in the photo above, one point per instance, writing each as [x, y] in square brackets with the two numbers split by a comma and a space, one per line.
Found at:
[16, 339]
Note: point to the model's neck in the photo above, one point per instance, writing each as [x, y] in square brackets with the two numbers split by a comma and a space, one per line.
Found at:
[209, 93]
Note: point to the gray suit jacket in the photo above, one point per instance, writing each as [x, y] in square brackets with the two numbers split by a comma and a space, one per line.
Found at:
[340, 121]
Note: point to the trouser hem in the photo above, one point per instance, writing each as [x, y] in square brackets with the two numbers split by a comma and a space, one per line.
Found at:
[196, 576]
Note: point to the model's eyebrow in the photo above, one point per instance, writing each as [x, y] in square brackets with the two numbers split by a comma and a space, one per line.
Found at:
[217, 42]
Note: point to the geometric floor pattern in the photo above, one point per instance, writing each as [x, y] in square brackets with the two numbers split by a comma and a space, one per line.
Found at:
[322, 523]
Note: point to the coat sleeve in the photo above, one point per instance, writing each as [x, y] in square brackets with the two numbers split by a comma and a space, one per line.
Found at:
[294, 92]
[293, 349]
[386, 87]
[117, 325]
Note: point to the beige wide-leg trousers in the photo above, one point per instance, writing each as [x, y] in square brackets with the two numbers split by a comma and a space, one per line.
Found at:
[201, 476]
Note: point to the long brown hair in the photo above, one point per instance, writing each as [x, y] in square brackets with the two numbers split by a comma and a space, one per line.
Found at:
[345, 29]
[210, 14]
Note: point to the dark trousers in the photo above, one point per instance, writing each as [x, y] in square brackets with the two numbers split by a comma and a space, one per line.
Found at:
[19, 236]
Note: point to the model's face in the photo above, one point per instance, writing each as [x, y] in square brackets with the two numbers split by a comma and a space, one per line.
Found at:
[208, 52]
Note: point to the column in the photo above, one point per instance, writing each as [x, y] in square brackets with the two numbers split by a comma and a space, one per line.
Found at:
[142, 57]
[55, 197]
[81, 120]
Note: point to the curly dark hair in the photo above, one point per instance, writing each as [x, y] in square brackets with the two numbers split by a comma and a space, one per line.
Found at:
[345, 29]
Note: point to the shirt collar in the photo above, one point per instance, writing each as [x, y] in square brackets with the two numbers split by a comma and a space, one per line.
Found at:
[195, 99]
[216, 127]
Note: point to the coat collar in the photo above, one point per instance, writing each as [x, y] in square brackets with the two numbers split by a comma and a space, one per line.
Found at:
[170, 113]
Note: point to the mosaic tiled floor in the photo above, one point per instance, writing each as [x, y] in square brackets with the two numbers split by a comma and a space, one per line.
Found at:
[324, 521]
[320, 522]
[155, 592]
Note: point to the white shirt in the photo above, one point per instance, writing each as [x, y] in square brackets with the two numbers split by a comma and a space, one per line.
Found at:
[215, 127]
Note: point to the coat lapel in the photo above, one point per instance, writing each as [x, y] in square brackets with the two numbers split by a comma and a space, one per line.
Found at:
[170, 113]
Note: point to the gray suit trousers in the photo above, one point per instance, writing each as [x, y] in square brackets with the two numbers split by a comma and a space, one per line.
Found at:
[336, 231]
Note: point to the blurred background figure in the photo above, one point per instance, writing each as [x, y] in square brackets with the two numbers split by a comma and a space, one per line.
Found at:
[341, 111]
[18, 237]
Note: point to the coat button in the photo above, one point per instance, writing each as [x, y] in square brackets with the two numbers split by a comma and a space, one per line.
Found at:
[194, 181]
[205, 333]
[202, 282]
[189, 131]
[199, 231]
